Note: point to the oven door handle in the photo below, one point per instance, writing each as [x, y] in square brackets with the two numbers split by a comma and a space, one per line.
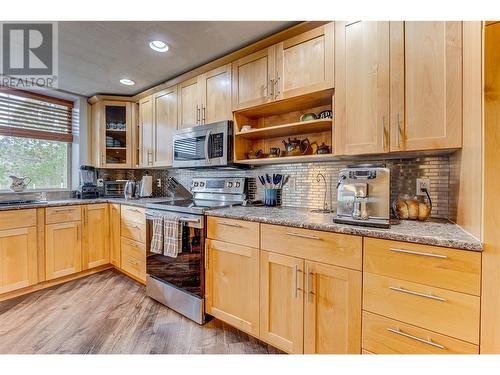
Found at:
[189, 220]
[207, 138]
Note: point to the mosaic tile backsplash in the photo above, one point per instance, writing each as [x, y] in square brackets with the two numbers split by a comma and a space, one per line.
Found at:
[303, 189]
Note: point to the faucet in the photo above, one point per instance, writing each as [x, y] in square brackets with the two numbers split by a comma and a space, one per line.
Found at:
[319, 177]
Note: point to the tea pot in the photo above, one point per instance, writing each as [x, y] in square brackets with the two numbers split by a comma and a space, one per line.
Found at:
[292, 146]
[19, 183]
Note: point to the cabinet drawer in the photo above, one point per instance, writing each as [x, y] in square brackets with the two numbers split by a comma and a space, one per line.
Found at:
[332, 248]
[386, 336]
[234, 231]
[452, 269]
[62, 214]
[133, 231]
[133, 214]
[17, 219]
[439, 310]
[133, 258]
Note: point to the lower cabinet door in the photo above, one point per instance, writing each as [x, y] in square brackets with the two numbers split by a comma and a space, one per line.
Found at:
[281, 301]
[18, 258]
[232, 290]
[63, 250]
[332, 317]
[96, 227]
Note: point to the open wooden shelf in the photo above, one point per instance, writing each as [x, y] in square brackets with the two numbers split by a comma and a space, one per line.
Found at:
[295, 128]
[287, 159]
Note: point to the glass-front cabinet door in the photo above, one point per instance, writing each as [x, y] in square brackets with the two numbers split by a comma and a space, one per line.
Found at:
[115, 134]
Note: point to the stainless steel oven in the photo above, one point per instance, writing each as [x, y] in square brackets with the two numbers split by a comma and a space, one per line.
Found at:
[208, 145]
[179, 283]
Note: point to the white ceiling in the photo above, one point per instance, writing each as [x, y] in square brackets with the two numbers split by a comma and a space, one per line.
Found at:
[93, 56]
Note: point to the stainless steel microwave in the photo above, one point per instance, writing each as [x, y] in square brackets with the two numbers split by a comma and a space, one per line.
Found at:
[208, 145]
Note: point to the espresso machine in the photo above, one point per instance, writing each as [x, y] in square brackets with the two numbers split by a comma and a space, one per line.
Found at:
[363, 196]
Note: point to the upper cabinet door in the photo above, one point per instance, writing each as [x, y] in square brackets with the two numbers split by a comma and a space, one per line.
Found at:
[432, 86]
[146, 132]
[253, 79]
[189, 104]
[216, 95]
[362, 87]
[304, 64]
[165, 124]
[115, 134]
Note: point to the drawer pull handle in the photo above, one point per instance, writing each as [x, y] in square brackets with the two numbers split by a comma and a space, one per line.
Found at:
[397, 331]
[63, 210]
[430, 296]
[419, 253]
[133, 210]
[229, 224]
[308, 236]
[131, 261]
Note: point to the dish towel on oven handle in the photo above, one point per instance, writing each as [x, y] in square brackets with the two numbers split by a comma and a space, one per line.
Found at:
[157, 237]
[172, 235]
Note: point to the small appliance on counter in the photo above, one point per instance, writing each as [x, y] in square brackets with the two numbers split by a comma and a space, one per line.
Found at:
[88, 182]
[146, 187]
[129, 191]
[363, 196]
[114, 189]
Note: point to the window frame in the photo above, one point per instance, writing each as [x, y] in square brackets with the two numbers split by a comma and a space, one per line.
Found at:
[69, 144]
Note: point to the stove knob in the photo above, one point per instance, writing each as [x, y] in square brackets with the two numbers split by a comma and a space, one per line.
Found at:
[202, 184]
[229, 184]
[237, 184]
[196, 184]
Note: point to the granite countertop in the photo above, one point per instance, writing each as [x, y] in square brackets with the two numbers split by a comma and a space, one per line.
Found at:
[426, 233]
[73, 201]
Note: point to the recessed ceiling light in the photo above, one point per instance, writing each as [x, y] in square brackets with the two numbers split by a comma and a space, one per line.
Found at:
[126, 81]
[158, 46]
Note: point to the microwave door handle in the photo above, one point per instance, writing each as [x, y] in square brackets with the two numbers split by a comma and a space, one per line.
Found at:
[207, 138]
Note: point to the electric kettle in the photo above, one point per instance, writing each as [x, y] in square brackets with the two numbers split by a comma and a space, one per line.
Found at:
[129, 190]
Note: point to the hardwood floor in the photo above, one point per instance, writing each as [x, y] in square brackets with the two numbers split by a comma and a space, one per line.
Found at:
[109, 313]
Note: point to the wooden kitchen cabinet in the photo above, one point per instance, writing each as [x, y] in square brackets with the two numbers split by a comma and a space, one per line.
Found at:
[232, 288]
[165, 125]
[295, 67]
[18, 258]
[281, 301]
[114, 234]
[112, 134]
[362, 87]
[332, 316]
[146, 132]
[63, 249]
[398, 86]
[253, 79]
[305, 64]
[426, 84]
[189, 104]
[96, 235]
[215, 91]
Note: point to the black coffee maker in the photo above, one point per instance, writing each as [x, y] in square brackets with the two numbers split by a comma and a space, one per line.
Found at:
[88, 182]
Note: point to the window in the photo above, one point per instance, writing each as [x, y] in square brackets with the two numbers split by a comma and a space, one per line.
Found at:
[35, 139]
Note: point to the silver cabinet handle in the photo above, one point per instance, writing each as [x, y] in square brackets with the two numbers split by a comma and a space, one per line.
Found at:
[63, 210]
[308, 236]
[102, 159]
[78, 232]
[203, 115]
[131, 261]
[397, 129]
[85, 213]
[276, 84]
[229, 224]
[206, 255]
[430, 296]
[383, 132]
[418, 253]
[296, 281]
[309, 290]
[197, 114]
[270, 88]
[397, 331]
